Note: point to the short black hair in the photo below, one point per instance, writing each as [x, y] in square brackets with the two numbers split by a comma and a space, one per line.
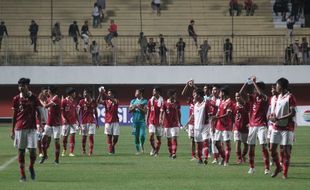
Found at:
[216, 86]
[199, 92]
[157, 89]
[261, 85]
[25, 81]
[70, 91]
[88, 91]
[171, 92]
[283, 82]
[53, 89]
[225, 89]
[141, 90]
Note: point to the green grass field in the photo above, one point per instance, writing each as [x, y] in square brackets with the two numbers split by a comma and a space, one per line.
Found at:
[125, 170]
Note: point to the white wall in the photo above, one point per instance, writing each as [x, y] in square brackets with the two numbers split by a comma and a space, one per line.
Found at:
[151, 74]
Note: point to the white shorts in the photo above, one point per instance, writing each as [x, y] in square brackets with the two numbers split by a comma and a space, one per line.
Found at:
[171, 132]
[259, 132]
[157, 130]
[25, 138]
[200, 135]
[238, 136]
[269, 132]
[190, 131]
[52, 131]
[39, 133]
[88, 129]
[68, 129]
[112, 128]
[282, 137]
[222, 135]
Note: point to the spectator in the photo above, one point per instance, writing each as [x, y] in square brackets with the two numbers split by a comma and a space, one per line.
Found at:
[101, 5]
[96, 16]
[277, 7]
[74, 32]
[234, 6]
[249, 7]
[162, 50]
[296, 53]
[3, 31]
[203, 52]
[228, 50]
[143, 47]
[33, 30]
[295, 9]
[85, 33]
[192, 33]
[151, 50]
[156, 6]
[290, 26]
[288, 54]
[284, 5]
[305, 51]
[112, 33]
[56, 33]
[180, 51]
[94, 50]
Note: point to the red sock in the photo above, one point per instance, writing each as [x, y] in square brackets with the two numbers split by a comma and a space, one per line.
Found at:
[115, 140]
[45, 145]
[251, 157]
[238, 150]
[152, 141]
[227, 152]
[64, 142]
[109, 142]
[57, 151]
[33, 157]
[21, 161]
[275, 159]
[91, 144]
[286, 163]
[158, 144]
[84, 138]
[216, 155]
[72, 143]
[199, 150]
[174, 146]
[245, 150]
[281, 154]
[266, 158]
[206, 149]
[221, 151]
[193, 147]
[169, 146]
[40, 146]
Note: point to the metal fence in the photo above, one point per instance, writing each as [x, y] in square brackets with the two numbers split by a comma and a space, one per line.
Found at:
[252, 49]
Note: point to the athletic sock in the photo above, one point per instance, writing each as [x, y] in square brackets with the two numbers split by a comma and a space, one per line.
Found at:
[21, 161]
[169, 143]
[84, 138]
[91, 144]
[266, 158]
[64, 142]
[72, 143]
[158, 144]
[174, 146]
[33, 157]
[251, 157]
[227, 153]
[199, 150]
[57, 150]
[152, 141]
[206, 149]
[109, 142]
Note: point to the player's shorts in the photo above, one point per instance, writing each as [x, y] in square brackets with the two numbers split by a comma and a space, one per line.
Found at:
[25, 138]
[282, 137]
[200, 135]
[259, 132]
[52, 131]
[269, 132]
[190, 130]
[238, 136]
[171, 132]
[68, 129]
[88, 129]
[112, 128]
[157, 130]
[222, 135]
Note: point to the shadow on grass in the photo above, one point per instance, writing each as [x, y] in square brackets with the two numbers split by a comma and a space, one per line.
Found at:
[300, 165]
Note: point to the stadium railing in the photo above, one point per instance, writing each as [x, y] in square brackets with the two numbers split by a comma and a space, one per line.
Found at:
[247, 50]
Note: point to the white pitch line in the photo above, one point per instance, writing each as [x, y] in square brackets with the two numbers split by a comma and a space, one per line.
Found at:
[7, 163]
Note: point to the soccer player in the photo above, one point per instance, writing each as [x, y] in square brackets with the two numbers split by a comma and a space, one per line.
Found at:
[241, 129]
[171, 119]
[214, 102]
[25, 109]
[70, 120]
[201, 125]
[153, 114]
[258, 124]
[282, 116]
[87, 110]
[190, 124]
[43, 96]
[138, 108]
[112, 128]
[224, 124]
[52, 127]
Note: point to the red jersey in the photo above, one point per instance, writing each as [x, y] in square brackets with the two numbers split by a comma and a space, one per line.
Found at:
[241, 118]
[214, 103]
[172, 114]
[111, 111]
[54, 112]
[226, 123]
[87, 111]
[25, 111]
[154, 106]
[69, 111]
[258, 111]
[113, 28]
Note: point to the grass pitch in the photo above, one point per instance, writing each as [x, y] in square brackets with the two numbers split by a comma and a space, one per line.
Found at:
[127, 171]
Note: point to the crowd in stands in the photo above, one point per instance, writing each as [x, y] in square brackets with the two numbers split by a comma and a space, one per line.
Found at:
[297, 53]
[295, 10]
[235, 8]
